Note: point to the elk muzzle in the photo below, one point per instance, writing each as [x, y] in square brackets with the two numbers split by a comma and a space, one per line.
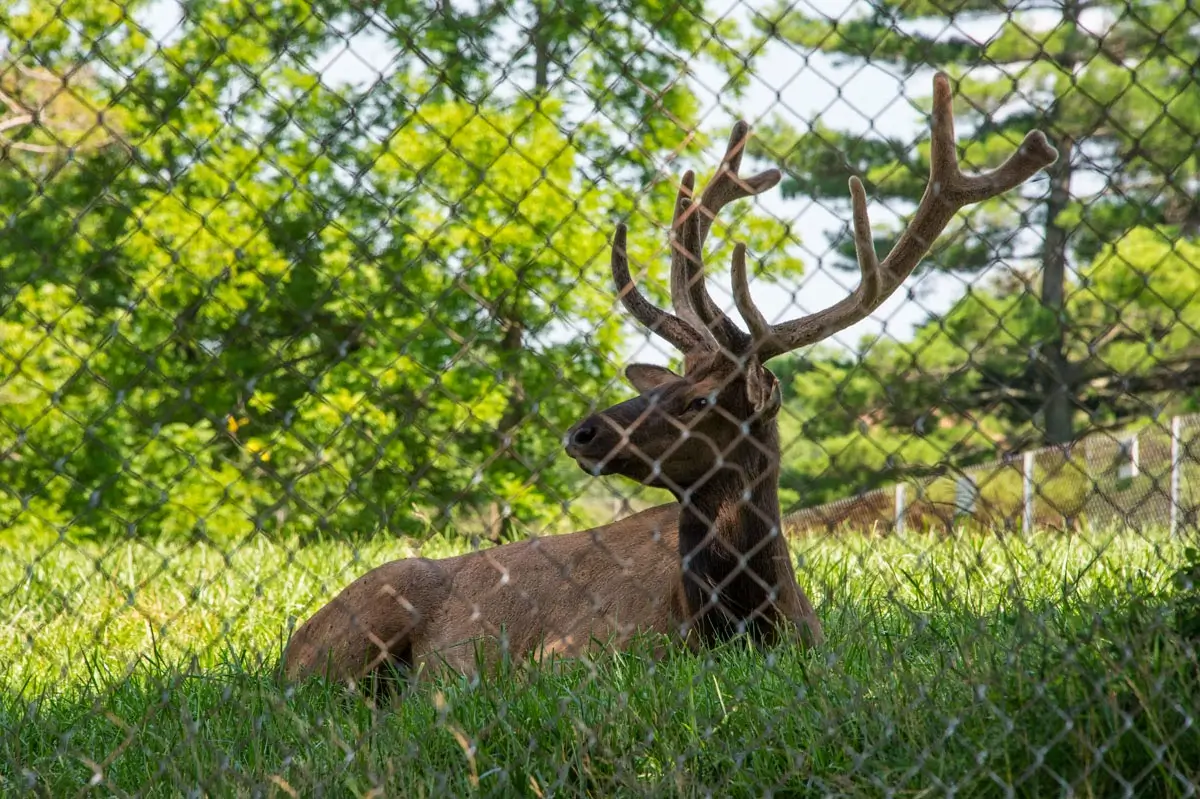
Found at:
[606, 442]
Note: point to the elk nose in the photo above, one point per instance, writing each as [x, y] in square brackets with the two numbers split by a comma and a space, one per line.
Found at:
[583, 435]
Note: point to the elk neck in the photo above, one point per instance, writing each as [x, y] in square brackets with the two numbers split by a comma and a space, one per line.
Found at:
[734, 559]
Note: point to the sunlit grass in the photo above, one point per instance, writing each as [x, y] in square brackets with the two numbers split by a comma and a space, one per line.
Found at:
[975, 662]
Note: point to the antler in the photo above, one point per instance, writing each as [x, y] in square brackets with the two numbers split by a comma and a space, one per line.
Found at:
[677, 332]
[697, 324]
[725, 187]
[947, 192]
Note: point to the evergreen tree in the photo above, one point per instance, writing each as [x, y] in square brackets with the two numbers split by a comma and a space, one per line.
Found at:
[1113, 84]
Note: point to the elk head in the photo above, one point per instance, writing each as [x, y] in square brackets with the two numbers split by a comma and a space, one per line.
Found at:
[720, 413]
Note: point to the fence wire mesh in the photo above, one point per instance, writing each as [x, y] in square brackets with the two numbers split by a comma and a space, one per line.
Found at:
[312, 312]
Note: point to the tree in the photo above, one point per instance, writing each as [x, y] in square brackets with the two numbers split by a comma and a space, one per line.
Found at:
[633, 110]
[301, 307]
[962, 391]
[1114, 86]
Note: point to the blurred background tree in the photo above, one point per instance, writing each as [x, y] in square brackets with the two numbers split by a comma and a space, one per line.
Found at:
[1088, 319]
[239, 295]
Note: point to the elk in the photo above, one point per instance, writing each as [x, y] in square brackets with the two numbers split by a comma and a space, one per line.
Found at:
[712, 565]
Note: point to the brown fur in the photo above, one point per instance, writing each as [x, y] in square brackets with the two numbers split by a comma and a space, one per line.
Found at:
[552, 594]
[565, 594]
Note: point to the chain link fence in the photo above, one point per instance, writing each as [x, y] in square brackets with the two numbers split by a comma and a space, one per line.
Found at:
[311, 313]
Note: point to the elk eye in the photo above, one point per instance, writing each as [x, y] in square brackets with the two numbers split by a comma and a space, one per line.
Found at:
[698, 404]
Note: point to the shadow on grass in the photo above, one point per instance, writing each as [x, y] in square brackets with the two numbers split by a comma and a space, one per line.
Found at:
[1098, 698]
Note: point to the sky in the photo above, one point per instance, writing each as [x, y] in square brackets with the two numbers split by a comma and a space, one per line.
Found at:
[802, 88]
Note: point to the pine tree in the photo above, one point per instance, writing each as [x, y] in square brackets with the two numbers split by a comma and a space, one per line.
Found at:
[1114, 86]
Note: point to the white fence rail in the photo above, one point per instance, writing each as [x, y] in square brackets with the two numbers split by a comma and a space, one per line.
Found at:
[1144, 477]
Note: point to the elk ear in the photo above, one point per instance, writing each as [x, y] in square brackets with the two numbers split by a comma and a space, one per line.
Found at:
[647, 377]
[762, 389]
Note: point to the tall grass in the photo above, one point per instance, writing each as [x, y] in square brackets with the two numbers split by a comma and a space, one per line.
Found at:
[978, 666]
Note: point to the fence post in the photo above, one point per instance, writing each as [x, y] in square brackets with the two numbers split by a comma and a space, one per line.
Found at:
[1030, 460]
[1176, 471]
[901, 508]
[1127, 453]
[965, 495]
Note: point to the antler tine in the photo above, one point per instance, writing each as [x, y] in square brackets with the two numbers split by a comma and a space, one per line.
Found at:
[678, 333]
[697, 324]
[725, 187]
[687, 266]
[760, 328]
[948, 191]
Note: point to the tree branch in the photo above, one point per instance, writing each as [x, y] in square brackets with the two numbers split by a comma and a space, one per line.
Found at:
[15, 122]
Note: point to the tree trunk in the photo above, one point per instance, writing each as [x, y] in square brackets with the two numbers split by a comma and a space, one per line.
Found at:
[1058, 410]
[541, 51]
[1058, 426]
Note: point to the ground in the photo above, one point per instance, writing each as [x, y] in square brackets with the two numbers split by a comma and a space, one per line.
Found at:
[955, 664]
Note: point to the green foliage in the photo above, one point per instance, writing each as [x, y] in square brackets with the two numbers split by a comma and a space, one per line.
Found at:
[1072, 80]
[272, 303]
[980, 379]
[1187, 582]
[965, 388]
[246, 361]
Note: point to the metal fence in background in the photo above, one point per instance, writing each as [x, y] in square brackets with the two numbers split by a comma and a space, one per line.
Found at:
[293, 289]
[1143, 478]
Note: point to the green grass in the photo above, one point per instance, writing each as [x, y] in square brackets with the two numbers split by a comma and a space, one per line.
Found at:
[961, 665]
